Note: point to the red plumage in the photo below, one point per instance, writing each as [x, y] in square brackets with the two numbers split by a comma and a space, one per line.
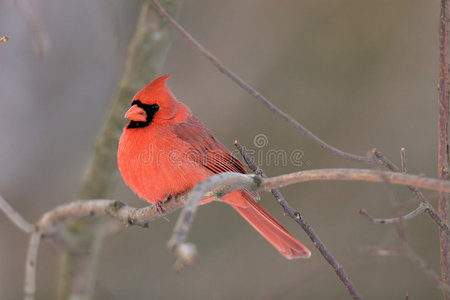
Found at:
[165, 150]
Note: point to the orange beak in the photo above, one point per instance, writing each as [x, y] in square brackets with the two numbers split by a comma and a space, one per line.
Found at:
[137, 114]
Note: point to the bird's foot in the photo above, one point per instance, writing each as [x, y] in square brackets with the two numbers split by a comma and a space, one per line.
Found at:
[159, 208]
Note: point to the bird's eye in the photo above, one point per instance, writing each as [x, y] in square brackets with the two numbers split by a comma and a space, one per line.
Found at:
[155, 107]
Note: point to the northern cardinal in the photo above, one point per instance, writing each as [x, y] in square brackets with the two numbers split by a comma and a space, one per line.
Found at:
[165, 150]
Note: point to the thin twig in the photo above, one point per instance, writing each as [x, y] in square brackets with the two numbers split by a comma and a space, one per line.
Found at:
[443, 147]
[15, 217]
[298, 218]
[403, 160]
[245, 86]
[29, 288]
[418, 211]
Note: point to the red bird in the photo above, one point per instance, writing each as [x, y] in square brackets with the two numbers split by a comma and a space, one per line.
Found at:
[165, 150]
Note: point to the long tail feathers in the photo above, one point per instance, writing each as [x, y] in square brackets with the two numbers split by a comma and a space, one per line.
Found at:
[273, 231]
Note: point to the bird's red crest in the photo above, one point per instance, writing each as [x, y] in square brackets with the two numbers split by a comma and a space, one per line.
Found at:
[157, 92]
[156, 87]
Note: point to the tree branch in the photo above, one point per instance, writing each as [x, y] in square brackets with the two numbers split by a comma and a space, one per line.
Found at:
[443, 147]
[217, 185]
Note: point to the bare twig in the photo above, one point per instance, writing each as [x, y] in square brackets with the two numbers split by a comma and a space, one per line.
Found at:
[245, 86]
[298, 218]
[15, 217]
[419, 210]
[30, 266]
[443, 147]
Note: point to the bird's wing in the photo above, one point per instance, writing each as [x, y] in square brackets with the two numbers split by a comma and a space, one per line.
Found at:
[206, 149]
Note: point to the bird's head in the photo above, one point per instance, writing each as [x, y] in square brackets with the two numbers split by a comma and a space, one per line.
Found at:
[153, 104]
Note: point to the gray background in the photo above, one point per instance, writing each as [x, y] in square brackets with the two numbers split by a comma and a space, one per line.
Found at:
[359, 74]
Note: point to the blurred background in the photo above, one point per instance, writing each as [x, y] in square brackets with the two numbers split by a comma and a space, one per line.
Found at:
[359, 74]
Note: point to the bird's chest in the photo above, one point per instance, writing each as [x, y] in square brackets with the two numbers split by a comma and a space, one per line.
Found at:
[156, 164]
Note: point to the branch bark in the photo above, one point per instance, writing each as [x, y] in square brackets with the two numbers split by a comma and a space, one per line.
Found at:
[443, 148]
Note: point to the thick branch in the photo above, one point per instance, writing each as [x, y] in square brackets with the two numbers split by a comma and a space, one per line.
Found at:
[356, 175]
